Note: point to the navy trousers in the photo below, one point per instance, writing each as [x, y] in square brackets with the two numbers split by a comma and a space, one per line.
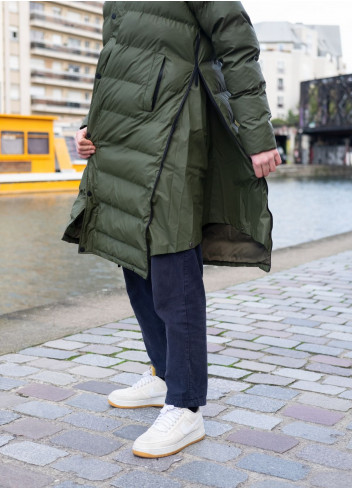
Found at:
[170, 308]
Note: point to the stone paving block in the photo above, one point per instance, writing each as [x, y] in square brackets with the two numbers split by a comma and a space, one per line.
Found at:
[88, 468]
[134, 355]
[337, 380]
[316, 387]
[346, 395]
[92, 402]
[248, 418]
[284, 361]
[212, 348]
[15, 476]
[339, 362]
[132, 345]
[134, 335]
[265, 317]
[50, 364]
[7, 384]
[131, 431]
[93, 372]
[92, 338]
[227, 385]
[48, 392]
[64, 345]
[210, 474]
[96, 360]
[40, 351]
[212, 409]
[220, 359]
[8, 399]
[214, 331]
[261, 439]
[329, 369]
[133, 367]
[256, 366]
[306, 331]
[56, 378]
[42, 409]
[327, 456]
[298, 374]
[124, 326]
[301, 322]
[7, 417]
[282, 342]
[249, 345]
[345, 345]
[98, 387]
[325, 401]
[161, 464]
[272, 465]
[312, 414]
[273, 391]
[273, 483]
[286, 352]
[257, 403]
[240, 335]
[101, 349]
[268, 379]
[262, 325]
[32, 453]
[240, 325]
[325, 350]
[335, 478]
[215, 428]
[32, 428]
[217, 339]
[99, 331]
[92, 422]
[219, 452]
[137, 478]
[272, 333]
[4, 439]
[245, 354]
[70, 484]
[130, 320]
[15, 358]
[146, 416]
[126, 378]
[86, 442]
[230, 372]
[314, 433]
[15, 370]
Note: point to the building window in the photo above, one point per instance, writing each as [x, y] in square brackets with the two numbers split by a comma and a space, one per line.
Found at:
[57, 11]
[56, 66]
[74, 42]
[87, 70]
[86, 19]
[13, 33]
[74, 95]
[281, 47]
[14, 62]
[74, 68]
[12, 143]
[57, 39]
[280, 102]
[86, 44]
[280, 83]
[13, 7]
[15, 92]
[37, 63]
[37, 35]
[97, 20]
[74, 16]
[87, 95]
[281, 66]
[38, 143]
[57, 94]
[38, 7]
[37, 91]
[97, 46]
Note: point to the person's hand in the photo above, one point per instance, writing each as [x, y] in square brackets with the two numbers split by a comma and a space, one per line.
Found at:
[265, 162]
[85, 148]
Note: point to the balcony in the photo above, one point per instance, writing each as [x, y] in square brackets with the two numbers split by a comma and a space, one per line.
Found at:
[62, 24]
[64, 52]
[62, 78]
[93, 7]
[48, 105]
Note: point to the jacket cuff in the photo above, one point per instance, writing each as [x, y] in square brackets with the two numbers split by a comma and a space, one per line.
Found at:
[84, 122]
[258, 139]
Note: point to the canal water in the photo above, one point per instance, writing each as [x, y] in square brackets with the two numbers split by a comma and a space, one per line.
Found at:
[37, 268]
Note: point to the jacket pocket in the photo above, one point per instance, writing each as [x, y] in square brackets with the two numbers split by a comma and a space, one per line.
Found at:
[153, 82]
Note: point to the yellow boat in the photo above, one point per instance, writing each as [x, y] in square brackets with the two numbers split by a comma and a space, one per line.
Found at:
[32, 159]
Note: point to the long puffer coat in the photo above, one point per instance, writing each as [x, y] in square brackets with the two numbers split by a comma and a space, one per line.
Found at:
[178, 105]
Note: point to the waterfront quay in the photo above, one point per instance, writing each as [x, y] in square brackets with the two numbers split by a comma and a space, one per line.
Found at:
[279, 409]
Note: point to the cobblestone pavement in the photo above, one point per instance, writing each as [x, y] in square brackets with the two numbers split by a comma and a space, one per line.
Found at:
[279, 410]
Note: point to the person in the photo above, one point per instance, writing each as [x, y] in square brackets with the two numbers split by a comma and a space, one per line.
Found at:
[179, 141]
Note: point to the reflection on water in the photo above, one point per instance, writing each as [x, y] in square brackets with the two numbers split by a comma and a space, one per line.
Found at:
[36, 267]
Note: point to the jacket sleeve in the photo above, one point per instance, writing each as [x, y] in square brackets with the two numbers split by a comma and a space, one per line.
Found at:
[235, 43]
[84, 122]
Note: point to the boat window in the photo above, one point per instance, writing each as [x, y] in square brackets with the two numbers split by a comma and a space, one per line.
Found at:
[38, 143]
[12, 143]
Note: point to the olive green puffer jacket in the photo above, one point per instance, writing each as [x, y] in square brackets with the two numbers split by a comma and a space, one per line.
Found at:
[178, 104]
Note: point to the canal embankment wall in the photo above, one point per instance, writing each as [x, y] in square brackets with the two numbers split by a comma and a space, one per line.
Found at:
[34, 326]
[311, 171]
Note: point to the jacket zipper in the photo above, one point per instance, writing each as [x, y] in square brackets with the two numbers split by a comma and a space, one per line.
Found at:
[155, 94]
[173, 127]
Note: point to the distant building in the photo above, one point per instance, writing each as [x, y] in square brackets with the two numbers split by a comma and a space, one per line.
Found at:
[326, 121]
[291, 53]
[48, 54]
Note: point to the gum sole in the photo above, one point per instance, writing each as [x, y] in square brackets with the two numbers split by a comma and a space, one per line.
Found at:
[149, 455]
[134, 407]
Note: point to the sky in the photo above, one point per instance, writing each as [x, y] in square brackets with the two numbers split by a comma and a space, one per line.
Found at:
[338, 12]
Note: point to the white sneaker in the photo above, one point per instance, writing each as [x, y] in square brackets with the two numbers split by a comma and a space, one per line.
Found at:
[150, 390]
[174, 429]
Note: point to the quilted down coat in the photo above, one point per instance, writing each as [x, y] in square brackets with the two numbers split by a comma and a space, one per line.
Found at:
[178, 105]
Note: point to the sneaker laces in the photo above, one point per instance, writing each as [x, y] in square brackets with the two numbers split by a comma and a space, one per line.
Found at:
[168, 417]
[147, 377]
